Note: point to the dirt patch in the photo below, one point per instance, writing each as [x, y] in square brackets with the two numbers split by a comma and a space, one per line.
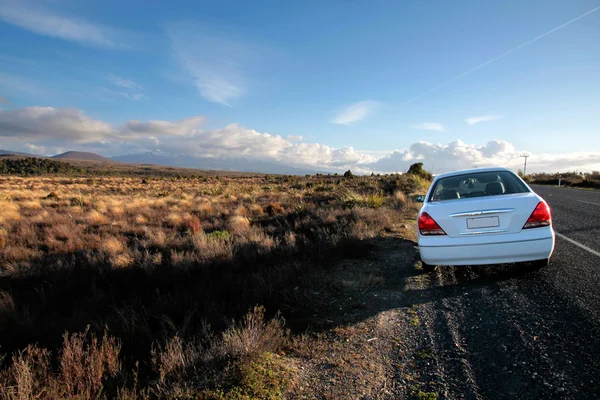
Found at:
[361, 338]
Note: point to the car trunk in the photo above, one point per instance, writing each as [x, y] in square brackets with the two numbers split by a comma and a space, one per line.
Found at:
[483, 215]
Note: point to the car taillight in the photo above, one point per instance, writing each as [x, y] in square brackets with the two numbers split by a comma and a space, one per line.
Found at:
[539, 217]
[428, 226]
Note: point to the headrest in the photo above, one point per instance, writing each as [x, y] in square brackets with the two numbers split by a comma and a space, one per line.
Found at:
[451, 182]
[487, 178]
[448, 194]
[493, 188]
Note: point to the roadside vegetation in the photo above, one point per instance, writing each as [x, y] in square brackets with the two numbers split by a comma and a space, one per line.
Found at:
[154, 287]
[38, 166]
[569, 179]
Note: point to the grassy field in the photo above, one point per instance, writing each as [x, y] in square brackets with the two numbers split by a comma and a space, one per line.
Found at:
[130, 287]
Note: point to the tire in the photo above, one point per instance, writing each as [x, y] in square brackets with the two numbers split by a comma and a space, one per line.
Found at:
[427, 267]
[540, 263]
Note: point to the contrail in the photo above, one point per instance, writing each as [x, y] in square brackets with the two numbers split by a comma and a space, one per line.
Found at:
[501, 55]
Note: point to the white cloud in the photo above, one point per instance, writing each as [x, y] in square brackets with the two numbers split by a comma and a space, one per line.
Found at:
[458, 155]
[44, 22]
[355, 112]
[127, 95]
[294, 138]
[46, 129]
[430, 126]
[39, 150]
[128, 88]
[184, 127]
[217, 64]
[124, 83]
[48, 123]
[482, 118]
[53, 130]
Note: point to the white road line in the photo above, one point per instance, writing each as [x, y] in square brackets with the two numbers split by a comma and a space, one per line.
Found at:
[588, 202]
[594, 252]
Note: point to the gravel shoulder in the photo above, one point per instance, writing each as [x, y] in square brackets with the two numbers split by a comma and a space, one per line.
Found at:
[384, 329]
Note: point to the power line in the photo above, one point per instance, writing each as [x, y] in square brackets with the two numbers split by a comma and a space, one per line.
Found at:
[501, 55]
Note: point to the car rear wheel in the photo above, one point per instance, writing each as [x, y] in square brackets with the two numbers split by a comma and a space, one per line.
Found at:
[540, 263]
[427, 267]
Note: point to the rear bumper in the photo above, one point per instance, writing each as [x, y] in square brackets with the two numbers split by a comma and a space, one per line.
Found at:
[488, 253]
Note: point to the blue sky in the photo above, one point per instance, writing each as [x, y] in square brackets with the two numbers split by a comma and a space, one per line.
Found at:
[336, 84]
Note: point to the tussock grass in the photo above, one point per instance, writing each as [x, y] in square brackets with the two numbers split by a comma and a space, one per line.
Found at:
[164, 265]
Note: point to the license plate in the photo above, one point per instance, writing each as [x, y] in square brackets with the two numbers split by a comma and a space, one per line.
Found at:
[483, 222]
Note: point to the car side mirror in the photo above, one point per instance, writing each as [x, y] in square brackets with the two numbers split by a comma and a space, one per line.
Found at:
[420, 198]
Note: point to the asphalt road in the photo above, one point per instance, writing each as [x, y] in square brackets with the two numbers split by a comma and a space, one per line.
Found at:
[509, 332]
[576, 218]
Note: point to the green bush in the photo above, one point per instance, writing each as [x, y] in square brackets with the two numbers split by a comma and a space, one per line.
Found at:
[38, 166]
[417, 169]
[219, 235]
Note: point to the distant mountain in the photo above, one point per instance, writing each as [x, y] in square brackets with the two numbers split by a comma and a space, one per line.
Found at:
[221, 164]
[183, 161]
[82, 156]
[16, 153]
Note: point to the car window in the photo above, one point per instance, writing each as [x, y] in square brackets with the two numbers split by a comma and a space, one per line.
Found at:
[477, 184]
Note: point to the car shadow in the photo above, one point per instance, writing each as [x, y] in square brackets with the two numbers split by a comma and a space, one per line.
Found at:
[512, 322]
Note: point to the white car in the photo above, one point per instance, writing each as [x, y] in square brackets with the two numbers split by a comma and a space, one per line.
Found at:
[483, 216]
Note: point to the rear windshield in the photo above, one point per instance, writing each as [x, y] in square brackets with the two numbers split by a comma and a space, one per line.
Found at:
[476, 184]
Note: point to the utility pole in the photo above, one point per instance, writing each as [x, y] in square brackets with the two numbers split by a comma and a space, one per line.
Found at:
[525, 165]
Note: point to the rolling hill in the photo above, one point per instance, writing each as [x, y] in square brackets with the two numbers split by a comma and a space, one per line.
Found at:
[232, 164]
[16, 153]
[82, 156]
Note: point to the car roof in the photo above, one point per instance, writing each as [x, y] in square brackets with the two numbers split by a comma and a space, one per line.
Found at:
[467, 171]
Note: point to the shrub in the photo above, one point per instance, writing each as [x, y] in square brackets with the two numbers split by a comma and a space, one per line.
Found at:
[265, 376]
[38, 166]
[29, 374]
[417, 169]
[219, 235]
[255, 335]
[174, 360]
[274, 208]
[86, 364]
[399, 200]
[238, 224]
[193, 225]
[407, 183]
[78, 201]
[375, 200]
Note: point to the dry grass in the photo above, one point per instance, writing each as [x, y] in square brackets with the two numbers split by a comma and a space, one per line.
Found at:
[254, 335]
[399, 200]
[160, 259]
[9, 211]
[84, 366]
[8, 310]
